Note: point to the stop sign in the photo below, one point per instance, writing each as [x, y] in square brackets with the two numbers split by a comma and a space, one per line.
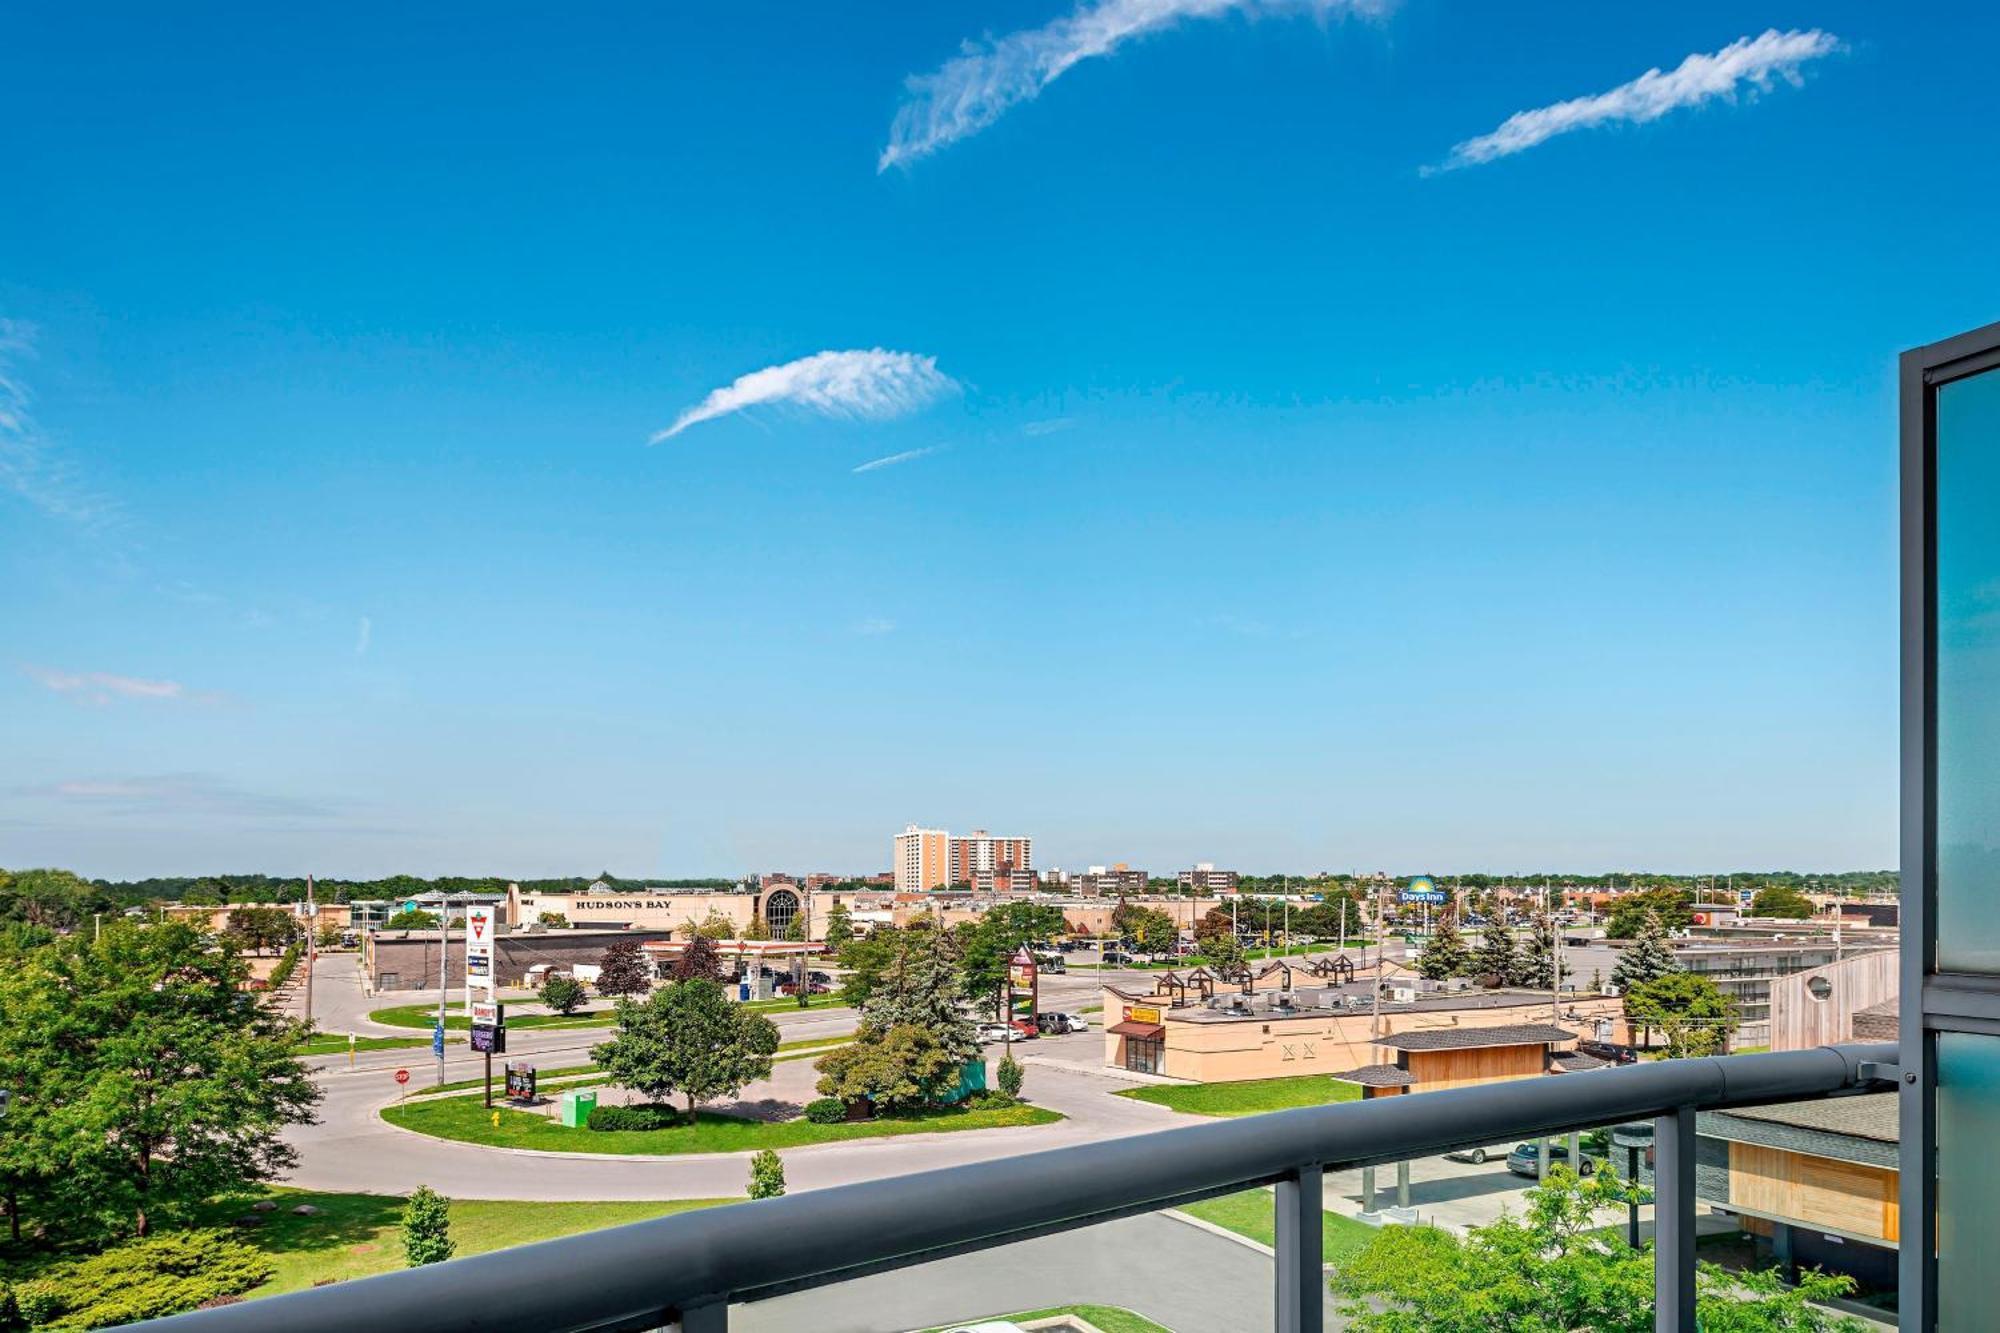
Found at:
[402, 1076]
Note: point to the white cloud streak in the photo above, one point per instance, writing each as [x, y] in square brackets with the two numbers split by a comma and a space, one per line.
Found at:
[101, 687]
[891, 460]
[30, 465]
[990, 77]
[1700, 78]
[871, 385]
[364, 634]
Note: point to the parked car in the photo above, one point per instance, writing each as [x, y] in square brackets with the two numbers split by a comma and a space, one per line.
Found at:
[1521, 1161]
[1052, 1025]
[1609, 1050]
[992, 1032]
[1077, 1022]
[1479, 1152]
[1051, 962]
[792, 988]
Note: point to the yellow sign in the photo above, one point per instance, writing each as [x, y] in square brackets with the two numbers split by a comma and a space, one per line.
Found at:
[1142, 1015]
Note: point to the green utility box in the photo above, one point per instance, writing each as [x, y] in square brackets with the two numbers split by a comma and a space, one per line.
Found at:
[573, 1108]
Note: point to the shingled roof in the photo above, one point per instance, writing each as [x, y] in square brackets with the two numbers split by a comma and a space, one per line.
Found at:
[1377, 1076]
[1575, 1062]
[1472, 1039]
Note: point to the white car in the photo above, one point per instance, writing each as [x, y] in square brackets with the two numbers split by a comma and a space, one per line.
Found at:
[991, 1032]
[1077, 1022]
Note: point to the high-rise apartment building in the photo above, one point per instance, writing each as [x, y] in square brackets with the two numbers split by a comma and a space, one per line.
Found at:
[923, 859]
[988, 863]
[1205, 878]
[1098, 881]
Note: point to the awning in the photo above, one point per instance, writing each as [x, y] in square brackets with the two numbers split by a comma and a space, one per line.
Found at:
[1151, 1031]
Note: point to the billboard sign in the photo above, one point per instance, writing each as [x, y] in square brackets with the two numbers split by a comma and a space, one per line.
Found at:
[485, 1013]
[488, 1040]
[478, 955]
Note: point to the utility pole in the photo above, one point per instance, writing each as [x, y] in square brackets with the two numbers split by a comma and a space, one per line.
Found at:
[1381, 956]
[1343, 925]
[312, 946]
[444, 977]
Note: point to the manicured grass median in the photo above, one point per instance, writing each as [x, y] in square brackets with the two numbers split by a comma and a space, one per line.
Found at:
[1110, 1318]
[335, 1043]
[425, 1016]
[1249, 1097]
[1250, 1214]
[356, 1235]
[464, 1119]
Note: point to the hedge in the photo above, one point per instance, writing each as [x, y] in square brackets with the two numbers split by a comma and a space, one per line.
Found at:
[141, 1279]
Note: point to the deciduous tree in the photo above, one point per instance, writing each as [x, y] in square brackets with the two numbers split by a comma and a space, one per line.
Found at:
[623, 970]
[687, 1040]
[1690, 1011]
[427, 1228]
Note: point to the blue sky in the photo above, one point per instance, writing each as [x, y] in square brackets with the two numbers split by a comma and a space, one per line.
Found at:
[1289, 486]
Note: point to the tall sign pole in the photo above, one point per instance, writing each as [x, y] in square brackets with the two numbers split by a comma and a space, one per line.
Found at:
[312, 946]
[444, 980]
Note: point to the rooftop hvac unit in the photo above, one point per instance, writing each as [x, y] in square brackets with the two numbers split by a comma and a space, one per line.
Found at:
[1403, 994]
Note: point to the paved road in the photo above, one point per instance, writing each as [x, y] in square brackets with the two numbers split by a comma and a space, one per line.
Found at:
[1187, 1279]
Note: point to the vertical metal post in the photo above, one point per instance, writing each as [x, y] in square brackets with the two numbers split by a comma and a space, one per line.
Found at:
[1403, 1185]
[1301, 1224]
[1632, 1207]
[710, 1318]
[1673, 1222]
[1368, 1190]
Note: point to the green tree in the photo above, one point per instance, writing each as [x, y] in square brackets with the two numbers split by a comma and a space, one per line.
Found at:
[795, 930]
[427, 1228]
[864, 957]
[1535, 966]
[1690, 1011]
[919, 984]
[767, 1175]
[891, 1069]
[553, 920]
[687, 1039]
[562, 993]
[1546, 1271]
[1224, 952]
[1673, 906]
[57, 899]
[714, 926]
[263, 928]
[757, 930]
[146, 1077]
[1496, 958]
[839, 929]
[1781, 900]
[412, 918]
[623, 969]
[1009, 1074]
[1445, 953]
[1648, 958]
[204, 893]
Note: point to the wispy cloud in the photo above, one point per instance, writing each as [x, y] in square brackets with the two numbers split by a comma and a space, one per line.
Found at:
[31, 466]
[101, 687]
[875, 625]
[991, 76]
[1754, 61]
[891, 460]
[179, 795]
[1049, 427]
[364, 634]
[873, 385]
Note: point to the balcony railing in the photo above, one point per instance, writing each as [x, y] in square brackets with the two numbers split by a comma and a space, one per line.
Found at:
[688, 1269]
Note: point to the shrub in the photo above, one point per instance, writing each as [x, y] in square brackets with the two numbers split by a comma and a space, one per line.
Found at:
[1009, 1075]
[645, 1116]
[988, 1099]
[823, 1111]
[767, 1175]
[142, 1279]
[563, 994]
[905, 1066]
[427, 1228]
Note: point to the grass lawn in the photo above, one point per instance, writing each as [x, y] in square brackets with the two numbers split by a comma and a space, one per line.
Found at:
[789, 1050]
[464, 1119]
[1248, 1097]
[356, 1235]
[1249, 1214]
[425, 1016]
[335, 1043]
[1110, 1318]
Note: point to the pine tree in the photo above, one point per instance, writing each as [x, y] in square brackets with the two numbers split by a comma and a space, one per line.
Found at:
[920, 985]
[1445, 954]
[1496, 958]
[1535, 968]
[1648, 958]
[427, 1228]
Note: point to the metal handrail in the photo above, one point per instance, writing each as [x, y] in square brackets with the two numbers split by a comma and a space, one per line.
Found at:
[691, 1266]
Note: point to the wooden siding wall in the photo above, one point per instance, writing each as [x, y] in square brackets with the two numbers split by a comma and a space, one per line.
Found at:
[1842, 1196]
[1799, 1022]
[1434, 1070]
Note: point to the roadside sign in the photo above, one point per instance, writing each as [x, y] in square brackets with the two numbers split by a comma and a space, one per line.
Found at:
[521, 1083]
[402, 1076]
[1424, 889]
[489, 1040]
[485, 1013]
[437, 1041]
[479, 929]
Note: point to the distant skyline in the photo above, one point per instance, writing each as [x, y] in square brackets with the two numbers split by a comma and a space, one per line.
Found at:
[1327, 434]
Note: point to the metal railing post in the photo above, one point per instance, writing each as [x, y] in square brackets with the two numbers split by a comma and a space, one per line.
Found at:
[1673, 1221]
[710, 1318]
[1301, 1223]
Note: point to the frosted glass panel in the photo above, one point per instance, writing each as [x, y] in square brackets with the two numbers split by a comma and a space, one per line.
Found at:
[1968, 1125]
[1968, 675]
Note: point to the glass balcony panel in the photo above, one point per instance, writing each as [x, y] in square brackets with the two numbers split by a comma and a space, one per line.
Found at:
[1968, 674]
